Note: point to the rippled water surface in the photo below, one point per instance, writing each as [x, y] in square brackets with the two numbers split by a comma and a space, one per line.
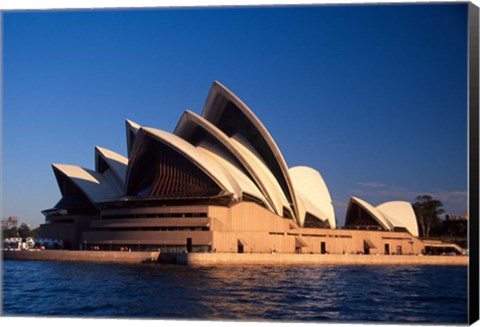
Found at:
[313, 293]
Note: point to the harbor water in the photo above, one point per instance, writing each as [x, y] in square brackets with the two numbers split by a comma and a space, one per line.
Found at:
[409, 294]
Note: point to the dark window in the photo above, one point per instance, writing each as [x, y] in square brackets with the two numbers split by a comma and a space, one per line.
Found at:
[287, 213]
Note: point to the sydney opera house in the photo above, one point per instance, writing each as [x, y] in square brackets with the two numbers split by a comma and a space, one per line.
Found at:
[218, 183]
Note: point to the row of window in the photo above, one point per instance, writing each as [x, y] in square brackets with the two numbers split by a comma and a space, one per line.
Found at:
[158, 215]
[331, 236]
[137, 229]
[162, 248]
[313, 235]
[396, 238]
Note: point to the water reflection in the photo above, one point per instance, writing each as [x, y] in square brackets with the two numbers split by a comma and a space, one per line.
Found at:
[335, 293]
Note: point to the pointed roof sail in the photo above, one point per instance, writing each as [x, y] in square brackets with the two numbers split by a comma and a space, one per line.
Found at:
[226, 111]
[93, 184]
[107, 159]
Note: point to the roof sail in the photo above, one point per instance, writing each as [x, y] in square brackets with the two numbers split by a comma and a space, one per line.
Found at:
[226, 111]
[400, 214]
[389, 215]
[165, 165]
[107, 159]
[93, 184]
[310, 185]
[370, 210]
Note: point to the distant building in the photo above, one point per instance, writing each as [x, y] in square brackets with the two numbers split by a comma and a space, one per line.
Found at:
[455, 227]
[457, 217]
[217, 183]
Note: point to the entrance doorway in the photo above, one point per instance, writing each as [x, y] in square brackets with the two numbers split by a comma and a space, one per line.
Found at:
[366, 248]
[189, 244]
[240, 248]
[387, 249]
[323, 247]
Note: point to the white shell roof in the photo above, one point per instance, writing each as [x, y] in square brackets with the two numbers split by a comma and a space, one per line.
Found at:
[117, 163]
[400, 214]
[93, 184]
[207, 164]
[309, 183]
[391, 214]
[218, 90]
[314, 209]
[377, 215]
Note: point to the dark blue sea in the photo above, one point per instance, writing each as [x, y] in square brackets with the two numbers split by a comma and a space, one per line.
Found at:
[409, 294]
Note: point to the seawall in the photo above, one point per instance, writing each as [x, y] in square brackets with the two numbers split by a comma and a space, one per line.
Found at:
[82, 256]
[195, 259]
[315, 259]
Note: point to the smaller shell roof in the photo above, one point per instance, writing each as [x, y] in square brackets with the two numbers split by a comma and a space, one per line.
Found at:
[377, 215]
[93, 184]
[117, 163]
[310, 184]
[400, 214]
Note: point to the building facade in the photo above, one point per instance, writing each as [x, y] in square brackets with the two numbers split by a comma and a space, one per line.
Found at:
[218, 183]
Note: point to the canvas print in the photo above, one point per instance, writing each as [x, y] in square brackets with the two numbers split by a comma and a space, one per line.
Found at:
[269, 163]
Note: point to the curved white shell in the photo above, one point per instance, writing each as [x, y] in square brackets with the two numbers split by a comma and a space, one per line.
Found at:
[309, 183]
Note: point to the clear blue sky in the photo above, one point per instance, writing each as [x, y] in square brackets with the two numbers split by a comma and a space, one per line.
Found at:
[373, 97]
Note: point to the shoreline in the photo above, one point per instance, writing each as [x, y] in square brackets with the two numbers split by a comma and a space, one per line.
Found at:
[205, 259]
